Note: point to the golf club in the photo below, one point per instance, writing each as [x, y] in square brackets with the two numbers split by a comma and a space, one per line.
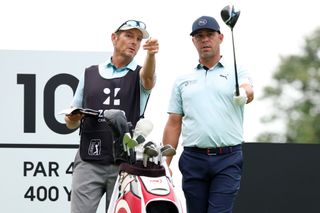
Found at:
[230, 18]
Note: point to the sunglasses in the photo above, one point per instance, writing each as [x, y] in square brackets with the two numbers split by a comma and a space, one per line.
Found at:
[133, 23]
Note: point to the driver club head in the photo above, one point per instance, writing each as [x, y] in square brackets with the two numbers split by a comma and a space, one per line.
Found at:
[230, 16]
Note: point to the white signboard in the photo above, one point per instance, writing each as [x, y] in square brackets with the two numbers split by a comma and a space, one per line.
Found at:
[36, 149]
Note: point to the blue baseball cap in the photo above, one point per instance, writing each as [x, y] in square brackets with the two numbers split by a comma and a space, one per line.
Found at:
[205, 22]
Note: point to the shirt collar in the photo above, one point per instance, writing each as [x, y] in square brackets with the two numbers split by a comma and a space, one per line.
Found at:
[131, 66]
[221, 63]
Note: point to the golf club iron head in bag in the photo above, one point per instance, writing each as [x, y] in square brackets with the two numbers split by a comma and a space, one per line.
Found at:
[230, 18]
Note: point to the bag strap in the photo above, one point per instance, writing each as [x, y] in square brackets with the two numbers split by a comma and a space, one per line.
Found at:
[145, 107]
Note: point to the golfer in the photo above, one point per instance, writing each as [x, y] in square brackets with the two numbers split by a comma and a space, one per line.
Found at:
[204, 108]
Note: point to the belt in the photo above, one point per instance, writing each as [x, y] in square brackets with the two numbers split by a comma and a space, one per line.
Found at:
[215, 151]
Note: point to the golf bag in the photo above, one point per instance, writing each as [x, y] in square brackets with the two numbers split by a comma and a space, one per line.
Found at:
[142, 189]
[144, 185]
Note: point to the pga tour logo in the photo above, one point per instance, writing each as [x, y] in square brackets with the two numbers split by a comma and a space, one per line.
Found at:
[94, 147]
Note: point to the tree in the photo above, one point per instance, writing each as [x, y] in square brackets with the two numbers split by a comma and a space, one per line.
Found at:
[295, 96]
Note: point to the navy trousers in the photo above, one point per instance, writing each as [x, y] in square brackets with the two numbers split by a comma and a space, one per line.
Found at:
[210, 182]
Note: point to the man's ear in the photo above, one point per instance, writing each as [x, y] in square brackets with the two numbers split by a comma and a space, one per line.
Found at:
[114, 37]
[193, 40]
[221, 36]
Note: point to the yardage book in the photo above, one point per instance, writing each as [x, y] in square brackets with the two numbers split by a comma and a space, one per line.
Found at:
[85, 111]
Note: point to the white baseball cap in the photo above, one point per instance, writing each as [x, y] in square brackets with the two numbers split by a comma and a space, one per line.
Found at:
[134, 24]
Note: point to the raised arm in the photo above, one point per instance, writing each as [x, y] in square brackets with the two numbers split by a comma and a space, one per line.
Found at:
[147, 73]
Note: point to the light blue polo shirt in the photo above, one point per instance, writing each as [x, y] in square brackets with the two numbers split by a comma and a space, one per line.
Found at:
[205, 100]
[108, 71]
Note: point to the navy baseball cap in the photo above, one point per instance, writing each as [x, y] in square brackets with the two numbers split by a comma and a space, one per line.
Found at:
[205, 22]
